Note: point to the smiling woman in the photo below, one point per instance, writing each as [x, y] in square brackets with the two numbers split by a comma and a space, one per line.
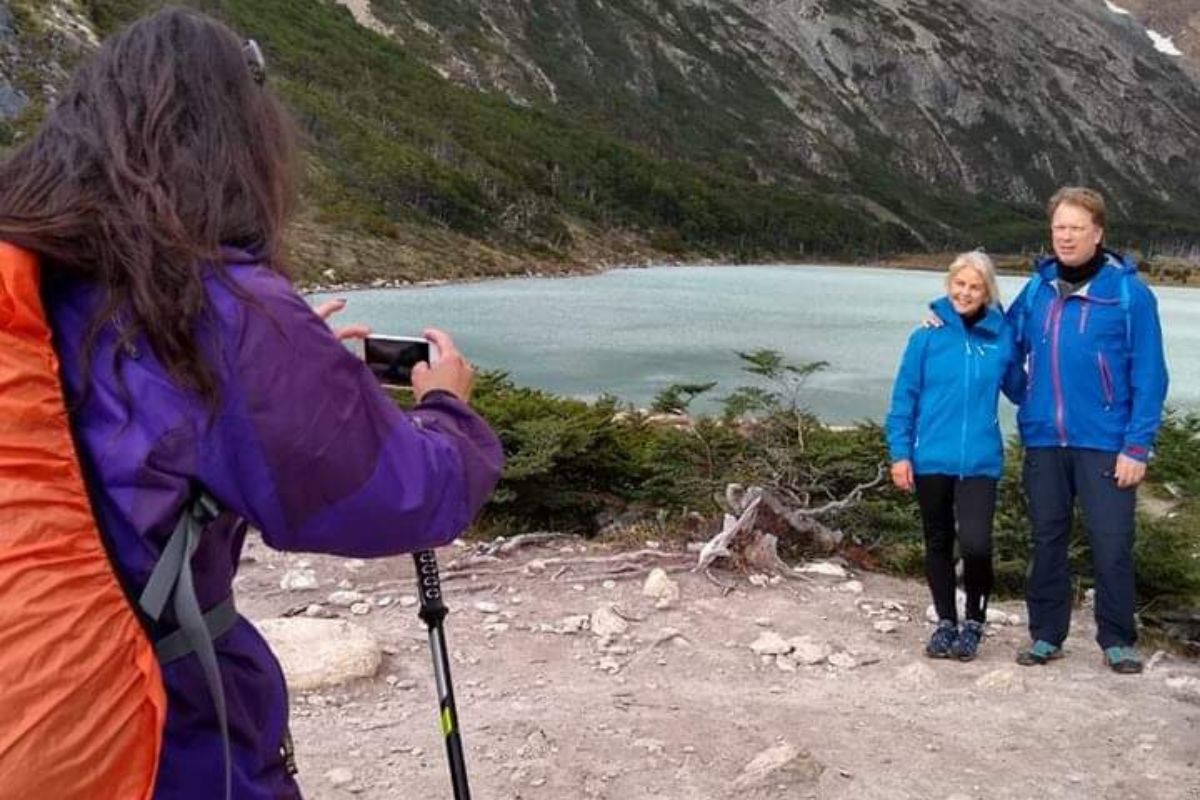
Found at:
[971, 283]
[945, 443]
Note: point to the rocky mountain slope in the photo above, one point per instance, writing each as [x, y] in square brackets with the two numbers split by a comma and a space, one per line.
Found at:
[451, 138]
[1005, 97]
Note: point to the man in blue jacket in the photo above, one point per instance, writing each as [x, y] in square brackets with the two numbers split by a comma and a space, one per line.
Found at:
[1097, 380]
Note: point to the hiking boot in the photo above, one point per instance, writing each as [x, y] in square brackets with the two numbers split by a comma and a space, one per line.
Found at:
[967, 645]
[1040, 652]
[941, 643]
[1123, 660]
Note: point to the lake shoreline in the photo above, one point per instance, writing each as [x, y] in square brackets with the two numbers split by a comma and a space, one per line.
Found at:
[1006, 264]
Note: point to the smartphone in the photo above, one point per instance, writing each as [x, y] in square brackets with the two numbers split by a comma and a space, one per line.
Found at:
[392, 358]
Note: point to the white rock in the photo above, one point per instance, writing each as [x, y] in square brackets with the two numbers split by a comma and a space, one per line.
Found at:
[851, 587]
[997, 617]
[573, 624]
[339, 776]
[317, 653]
[408, 601]
[887, 626]
[345, 599]
[843, 661]
[1185, 684]
[660, 586]
[807, 652]
[360, 609]
[916, 675]
[298, 580]
[606, 622]
[487, 607]
[770, 643]
[758, 579]
[1001, 681]
[765, 763]
[609, 584]
[827, 568]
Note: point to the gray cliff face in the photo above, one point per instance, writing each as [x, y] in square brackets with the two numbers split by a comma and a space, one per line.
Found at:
[1007, 97]
[12, 100]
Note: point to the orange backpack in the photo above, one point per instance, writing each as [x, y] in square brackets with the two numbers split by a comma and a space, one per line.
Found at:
[82, 704]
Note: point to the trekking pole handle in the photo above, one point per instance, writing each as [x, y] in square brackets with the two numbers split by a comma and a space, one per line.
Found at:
[429, 588]
[432, 613]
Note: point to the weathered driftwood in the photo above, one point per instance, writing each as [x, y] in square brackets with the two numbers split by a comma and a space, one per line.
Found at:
[750, 535]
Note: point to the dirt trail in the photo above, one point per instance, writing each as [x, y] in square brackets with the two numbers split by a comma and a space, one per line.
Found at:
[679, 705]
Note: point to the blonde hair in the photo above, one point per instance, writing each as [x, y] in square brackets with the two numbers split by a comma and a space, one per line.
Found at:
[981, 263]
[1089, 200]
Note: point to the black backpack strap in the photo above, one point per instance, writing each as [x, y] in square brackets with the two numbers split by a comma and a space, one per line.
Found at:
[171, 579]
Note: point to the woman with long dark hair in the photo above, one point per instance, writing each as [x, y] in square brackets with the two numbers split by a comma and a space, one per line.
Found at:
[156, 195]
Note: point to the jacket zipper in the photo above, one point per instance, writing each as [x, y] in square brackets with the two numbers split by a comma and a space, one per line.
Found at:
[1106, 381]
[1056, 370]
[962, 442]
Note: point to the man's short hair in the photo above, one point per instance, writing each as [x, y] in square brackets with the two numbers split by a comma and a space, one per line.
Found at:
[1089, 200]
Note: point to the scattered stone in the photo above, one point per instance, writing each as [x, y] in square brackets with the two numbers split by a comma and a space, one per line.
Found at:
[1186, 685]
[770, 643]
[408, 601]
[609, 584]
[572, 624]
[487, 607]
[609, 665]
[605, 622]
[651, 745]
[1001, 681]
[843, 660]
[316, 653]
[893, 605]
[758, 579]
[783, 763]
[298, 580]
[660, 586]
[807, 652]
[345, 599]
[339, 776]
[887, 626]
[851, 587]
[827, 568]
[916, 675]
[359, 609]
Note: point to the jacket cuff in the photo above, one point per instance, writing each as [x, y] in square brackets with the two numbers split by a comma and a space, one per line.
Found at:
[1136, 451]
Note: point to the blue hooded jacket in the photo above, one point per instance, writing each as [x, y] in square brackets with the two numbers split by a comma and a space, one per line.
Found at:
[943, 413]
[1097, 373]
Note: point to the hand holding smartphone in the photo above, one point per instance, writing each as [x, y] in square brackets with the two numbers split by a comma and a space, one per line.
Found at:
[427, 364]
[392, 358]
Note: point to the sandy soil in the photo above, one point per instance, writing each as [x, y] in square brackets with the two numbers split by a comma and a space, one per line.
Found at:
[679, 705]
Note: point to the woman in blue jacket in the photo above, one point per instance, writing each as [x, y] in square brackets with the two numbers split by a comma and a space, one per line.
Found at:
[944, 440]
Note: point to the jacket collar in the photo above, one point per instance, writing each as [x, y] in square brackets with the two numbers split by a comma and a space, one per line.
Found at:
[990, 324]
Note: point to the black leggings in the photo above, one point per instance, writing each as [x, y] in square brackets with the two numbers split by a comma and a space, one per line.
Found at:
[942, 499]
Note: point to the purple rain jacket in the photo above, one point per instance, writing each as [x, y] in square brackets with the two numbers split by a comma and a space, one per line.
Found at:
[304, 445]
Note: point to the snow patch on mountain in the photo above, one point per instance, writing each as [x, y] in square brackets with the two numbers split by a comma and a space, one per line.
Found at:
[1163, 44]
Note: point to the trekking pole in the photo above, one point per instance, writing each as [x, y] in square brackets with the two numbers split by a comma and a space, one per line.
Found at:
[432, 612]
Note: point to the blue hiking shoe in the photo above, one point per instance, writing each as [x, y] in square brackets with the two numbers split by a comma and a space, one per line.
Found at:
[941, 643]
[1040, 652]
[967, 645]
[1123, 660]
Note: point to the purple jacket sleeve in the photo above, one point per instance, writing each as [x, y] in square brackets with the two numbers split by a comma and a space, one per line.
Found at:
[308, 448]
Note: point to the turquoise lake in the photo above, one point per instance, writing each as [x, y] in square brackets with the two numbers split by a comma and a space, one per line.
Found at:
[634, 332]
